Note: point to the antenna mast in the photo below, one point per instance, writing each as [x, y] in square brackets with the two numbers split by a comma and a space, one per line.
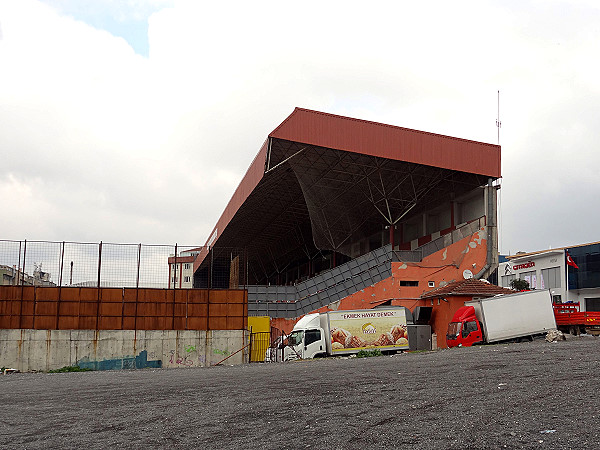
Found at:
[498, 123]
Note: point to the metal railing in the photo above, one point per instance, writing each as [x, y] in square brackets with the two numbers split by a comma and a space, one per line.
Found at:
[440, 242]
[337, 283]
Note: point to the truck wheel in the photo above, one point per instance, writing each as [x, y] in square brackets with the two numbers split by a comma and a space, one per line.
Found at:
[572, 331]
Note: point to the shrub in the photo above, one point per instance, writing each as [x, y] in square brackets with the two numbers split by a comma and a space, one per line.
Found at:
[69, 369]
[368, 353]
[519, 285]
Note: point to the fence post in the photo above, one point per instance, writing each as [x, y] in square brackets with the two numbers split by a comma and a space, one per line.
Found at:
[210, 269]
[16, 283]
[23, 282]
[99, 263]
[250, 351]
[24, 258]
[139, 260]
[98, 285]
[207, 311]
[137, 288]
[62, 262]
[174, 288]
[62, 258]
[16, 280]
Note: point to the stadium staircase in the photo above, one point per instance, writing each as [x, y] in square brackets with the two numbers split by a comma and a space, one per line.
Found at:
[346, 279]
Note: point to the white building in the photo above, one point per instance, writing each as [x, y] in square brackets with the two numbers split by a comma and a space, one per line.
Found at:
[548, 269]
[181, 269]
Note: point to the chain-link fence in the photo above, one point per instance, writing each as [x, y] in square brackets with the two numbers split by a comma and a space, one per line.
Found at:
[46, 263]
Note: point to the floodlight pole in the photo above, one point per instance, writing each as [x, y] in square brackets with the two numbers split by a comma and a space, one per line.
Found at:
[498, 123]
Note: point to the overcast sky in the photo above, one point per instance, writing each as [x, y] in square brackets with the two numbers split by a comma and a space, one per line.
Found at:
[134, 121]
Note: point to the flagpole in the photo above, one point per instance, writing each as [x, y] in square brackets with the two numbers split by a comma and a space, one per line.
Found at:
[567, 274]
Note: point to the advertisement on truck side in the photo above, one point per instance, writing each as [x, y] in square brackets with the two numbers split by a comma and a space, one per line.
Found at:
[368, 329]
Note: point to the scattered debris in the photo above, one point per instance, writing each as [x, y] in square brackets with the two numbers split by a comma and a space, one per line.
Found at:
[547, 431]
[555, 336]
[7, 370]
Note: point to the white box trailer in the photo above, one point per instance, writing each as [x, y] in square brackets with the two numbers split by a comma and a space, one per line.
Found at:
[515, 315]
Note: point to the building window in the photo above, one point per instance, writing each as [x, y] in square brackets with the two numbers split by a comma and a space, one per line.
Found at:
[186, 279]
[186, 266]
[506, 279]
[550, 278]
[530, 277]
[592, 304]
[408, 283]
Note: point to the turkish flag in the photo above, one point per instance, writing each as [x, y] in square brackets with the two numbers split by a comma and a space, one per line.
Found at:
[570, 261]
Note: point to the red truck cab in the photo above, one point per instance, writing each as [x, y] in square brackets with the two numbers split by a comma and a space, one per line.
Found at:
[464, 329]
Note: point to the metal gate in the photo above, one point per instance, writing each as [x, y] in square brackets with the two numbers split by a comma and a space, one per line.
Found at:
[267, 346]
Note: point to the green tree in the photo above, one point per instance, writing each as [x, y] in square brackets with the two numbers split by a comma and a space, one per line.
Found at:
[519, 285]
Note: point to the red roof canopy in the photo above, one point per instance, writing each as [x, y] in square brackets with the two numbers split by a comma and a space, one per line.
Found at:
[387, 141]
[369, 138]
[321, 181]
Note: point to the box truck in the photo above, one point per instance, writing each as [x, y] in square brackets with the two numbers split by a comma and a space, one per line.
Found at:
[501, 318]
[570, 319]
[347, 332]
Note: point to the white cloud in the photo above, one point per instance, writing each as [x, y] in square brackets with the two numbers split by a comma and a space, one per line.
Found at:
[102, 143]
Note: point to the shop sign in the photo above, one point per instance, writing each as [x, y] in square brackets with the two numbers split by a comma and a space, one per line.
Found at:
[526, 265]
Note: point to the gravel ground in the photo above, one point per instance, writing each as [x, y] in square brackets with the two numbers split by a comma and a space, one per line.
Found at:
[527, 395]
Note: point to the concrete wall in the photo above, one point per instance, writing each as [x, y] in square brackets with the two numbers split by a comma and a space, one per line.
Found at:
[42, 350]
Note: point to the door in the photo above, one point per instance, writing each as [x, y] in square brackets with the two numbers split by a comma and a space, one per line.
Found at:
[294, 348]
[314, 343]
[471, 333]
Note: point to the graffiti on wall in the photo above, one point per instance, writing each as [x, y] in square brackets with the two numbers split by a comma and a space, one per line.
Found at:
[217, 351]
[185, 361]
[189, 358]
[129, 362]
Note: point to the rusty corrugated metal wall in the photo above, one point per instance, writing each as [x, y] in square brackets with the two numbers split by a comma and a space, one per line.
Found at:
[54, 308]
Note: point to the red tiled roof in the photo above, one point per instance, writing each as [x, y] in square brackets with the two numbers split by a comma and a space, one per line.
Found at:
[468, 287]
